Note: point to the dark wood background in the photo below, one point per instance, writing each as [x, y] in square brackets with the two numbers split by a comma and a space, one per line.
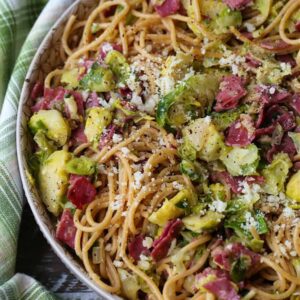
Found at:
[36, 258]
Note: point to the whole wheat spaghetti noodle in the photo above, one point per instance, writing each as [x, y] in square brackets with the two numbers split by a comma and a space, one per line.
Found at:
[167, 146]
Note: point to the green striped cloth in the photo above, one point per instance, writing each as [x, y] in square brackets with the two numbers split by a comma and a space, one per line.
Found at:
[21, 31]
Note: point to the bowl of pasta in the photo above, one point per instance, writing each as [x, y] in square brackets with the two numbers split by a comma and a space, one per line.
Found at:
[159, 147]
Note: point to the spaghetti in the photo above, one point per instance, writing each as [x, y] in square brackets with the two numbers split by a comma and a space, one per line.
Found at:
[168, 147]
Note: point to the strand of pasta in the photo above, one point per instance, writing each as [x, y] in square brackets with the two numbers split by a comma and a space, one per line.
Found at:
[282, 25]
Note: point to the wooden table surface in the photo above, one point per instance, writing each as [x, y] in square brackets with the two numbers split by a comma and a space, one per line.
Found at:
[36, 258]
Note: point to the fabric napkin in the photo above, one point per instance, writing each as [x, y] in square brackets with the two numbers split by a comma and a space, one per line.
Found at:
[20, 36]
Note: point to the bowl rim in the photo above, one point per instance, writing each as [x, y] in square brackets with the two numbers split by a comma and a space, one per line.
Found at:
[55, 245]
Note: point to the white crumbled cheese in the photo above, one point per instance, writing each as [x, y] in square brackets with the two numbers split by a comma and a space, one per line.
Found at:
[147, 242]
[106, 47]
[231, 60]
[103, 103]
[293, 253]
[124, 275]
[250, 27]
[107, 247]
[115, 170]
[136, 167]
[285, 67]
[218, 206]
[177, 185]
[125, 150]
[85, 95]
[124, 213]
[288, 244]
[282, 249]
[144, 262]
[288, 212]
[117, 138]
[276, 227]
[207, 119]
[165, 52]
[116, 204]
[235, 69]
[149, 48]
[138, 176]
[203, 51]
[118, 263]
[250, 193]
[250, 221]
[272, 90]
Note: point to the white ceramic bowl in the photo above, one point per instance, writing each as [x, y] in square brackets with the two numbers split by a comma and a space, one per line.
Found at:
[46, 59]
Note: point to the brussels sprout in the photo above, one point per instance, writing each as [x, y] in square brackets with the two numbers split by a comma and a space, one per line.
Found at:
[43, 143]
[98, 118]
[239, 222]
[295, 136]
[98, 79]
[239, 268]
[53, 180]
[52, 124]
[198, 224]
[271, 72]
[169, 209]
[188, 100]
[72, 107]
[276, 174]
[130, 284]
[195, 170]
[218, 191]
[223, 120]
[81, 166]
[175, 69]
[225, 19]
[292, 188]
[220, 17]
[118, 64]
[202, 140]
[241, 161]
[70, 77]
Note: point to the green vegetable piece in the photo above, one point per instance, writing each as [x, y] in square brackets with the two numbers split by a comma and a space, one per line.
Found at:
[175, 69]
[118, 64]
[223, 120]
[98, 118]
[43, 143]
[53, 180]
[241, 161]
[225, 19]
[187, 100]
[272, 72]
[218, 191]
[202, 138]
[81, 166]
[292, 187]
[130, 284]
[295, 136]
[239, 268]
[98, 79]
[52, 124]
[72, 107]
[188, 168]
[169, 209]
[262, 226]
[70, 77]
[296, 264]
[198, 224]
[276, 174]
